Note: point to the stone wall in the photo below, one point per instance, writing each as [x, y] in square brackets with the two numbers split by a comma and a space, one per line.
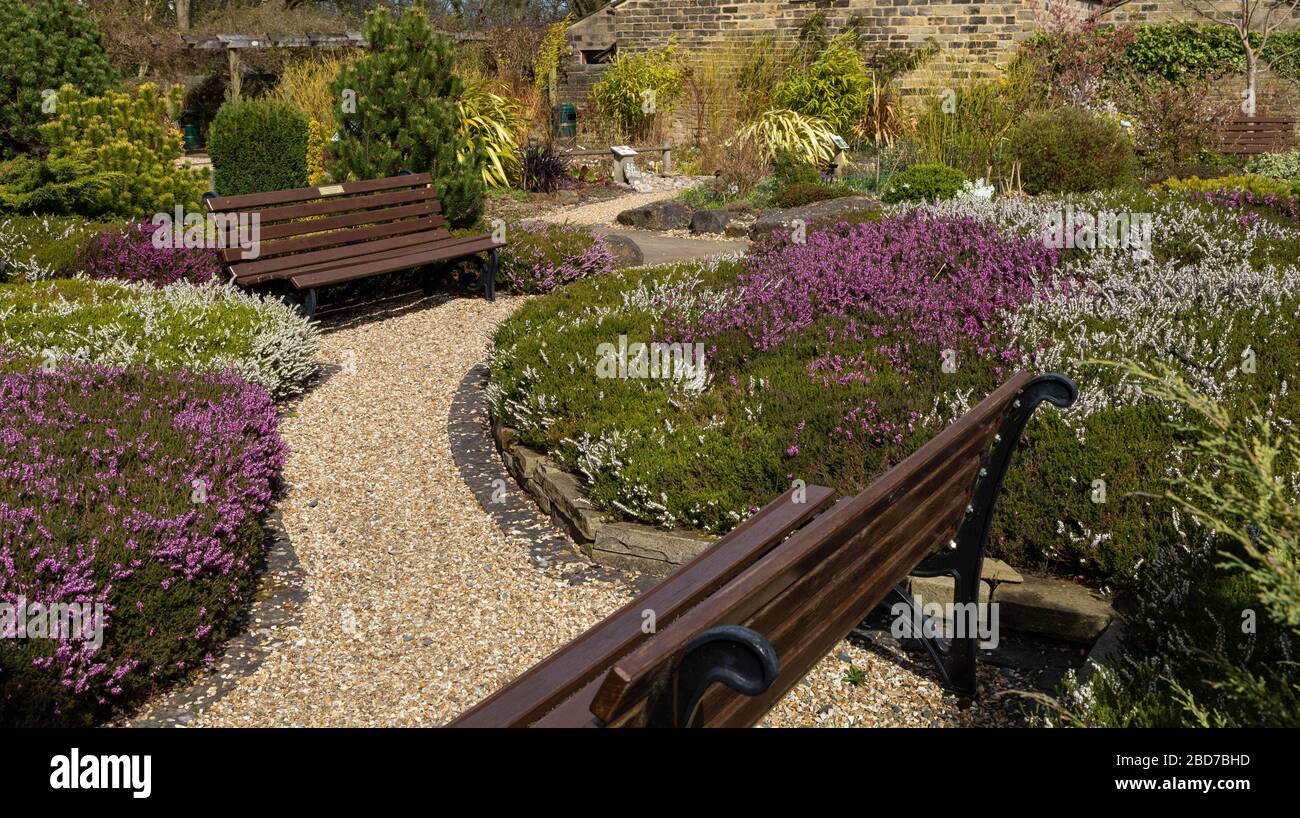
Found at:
[973, 37]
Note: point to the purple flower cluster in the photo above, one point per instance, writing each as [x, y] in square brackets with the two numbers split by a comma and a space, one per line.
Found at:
[129, 254]
[1238, 198]
[136, 490]
[937, 281]
[540, 257]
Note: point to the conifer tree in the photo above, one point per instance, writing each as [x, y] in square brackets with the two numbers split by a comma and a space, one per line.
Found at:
[46, 45]
[397, 110]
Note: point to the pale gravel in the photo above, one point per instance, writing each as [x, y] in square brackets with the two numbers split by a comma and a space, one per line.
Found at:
[604, 213]
[446, 607]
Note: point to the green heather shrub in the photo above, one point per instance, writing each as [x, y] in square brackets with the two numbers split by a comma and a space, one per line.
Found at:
[1212, 637]
[923, 183]
[636, 88]
[257, 146]
[47, 44]
[540, 257]
[1072, 150]
[388, 132]
[39, 247]
[133, 139]
[58, 187]
[836, 87]
[157, 483]
[198, 327]
[1283, 166]
[804, 193]
[788, 378]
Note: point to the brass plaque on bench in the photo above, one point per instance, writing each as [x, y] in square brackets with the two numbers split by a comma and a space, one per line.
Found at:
[330, 190]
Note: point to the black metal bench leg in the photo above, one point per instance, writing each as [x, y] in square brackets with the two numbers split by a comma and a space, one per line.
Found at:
[490, 276]
[736, 656]
[963, 559]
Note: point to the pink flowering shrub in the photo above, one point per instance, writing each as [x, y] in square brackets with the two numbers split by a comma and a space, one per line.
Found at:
[540, 257]
[142, 492]
[129, 254]
[939, 281]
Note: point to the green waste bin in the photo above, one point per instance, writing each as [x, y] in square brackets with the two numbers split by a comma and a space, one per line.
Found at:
[190, 130]
[564, 121]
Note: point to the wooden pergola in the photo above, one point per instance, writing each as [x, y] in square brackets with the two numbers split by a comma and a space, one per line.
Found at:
[233, 44]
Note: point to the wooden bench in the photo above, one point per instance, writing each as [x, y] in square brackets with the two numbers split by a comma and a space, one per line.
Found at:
[1249, 136]
[312, 237]
[759, 608]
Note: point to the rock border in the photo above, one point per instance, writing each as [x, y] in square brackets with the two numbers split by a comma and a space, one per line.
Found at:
[1040, 605]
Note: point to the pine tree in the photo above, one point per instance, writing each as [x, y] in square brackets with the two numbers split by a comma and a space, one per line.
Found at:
[396, 109]
[47, 45]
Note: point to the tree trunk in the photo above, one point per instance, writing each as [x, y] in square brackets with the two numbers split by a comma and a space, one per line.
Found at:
[183, 15]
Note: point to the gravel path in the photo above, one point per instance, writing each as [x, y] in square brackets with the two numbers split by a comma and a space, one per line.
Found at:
[603, 213]
[418, 604]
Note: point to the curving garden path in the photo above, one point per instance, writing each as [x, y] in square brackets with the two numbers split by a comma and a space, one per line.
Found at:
[415, 602]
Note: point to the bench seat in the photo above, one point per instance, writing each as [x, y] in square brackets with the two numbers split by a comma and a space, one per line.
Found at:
[319, 236]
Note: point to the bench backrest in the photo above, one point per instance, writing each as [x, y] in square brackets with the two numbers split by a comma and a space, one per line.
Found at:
[565, 681]
[1255, 135]
[387, 214]
[793, 580]
[813, 589]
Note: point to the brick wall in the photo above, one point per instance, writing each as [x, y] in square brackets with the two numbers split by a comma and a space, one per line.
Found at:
[974, 37]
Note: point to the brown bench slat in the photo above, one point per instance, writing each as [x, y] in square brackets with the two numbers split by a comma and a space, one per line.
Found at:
[626, 686]
[318, 240]
[415, 232]
[820, 534]
[435, 239]
[569, 676]
[816, 612]
[301, 194]
[385, 264]
[335, 224]
[346, 204]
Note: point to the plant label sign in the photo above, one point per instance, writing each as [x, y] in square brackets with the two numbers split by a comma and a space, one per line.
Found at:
[622, 151]
[839, 142]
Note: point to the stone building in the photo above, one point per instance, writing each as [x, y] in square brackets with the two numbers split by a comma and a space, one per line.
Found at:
[973, 36]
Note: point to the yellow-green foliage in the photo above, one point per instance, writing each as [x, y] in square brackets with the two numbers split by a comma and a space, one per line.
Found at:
[306, 86]
[491, 125]
[1259, 185]
[132, 135]
[790, 132]
[637, 87]
[835, 87]
[968, 127]
[317, 138]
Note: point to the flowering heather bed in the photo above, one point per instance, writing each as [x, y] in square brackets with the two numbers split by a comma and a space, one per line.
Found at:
[826, 363]
[138, 490]
[940, 281]
[129, 254]
[205, 328]
[540, 257]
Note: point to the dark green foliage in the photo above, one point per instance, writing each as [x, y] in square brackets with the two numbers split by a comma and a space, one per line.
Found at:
[46, 45]
[1072, 150]
[543, 169]
[805, 193]
[789, 169]
[923, 183]
[258, 146]
[406, 117]
[60, 186]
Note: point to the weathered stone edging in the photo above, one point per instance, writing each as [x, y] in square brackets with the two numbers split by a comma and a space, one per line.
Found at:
[1042, 605]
